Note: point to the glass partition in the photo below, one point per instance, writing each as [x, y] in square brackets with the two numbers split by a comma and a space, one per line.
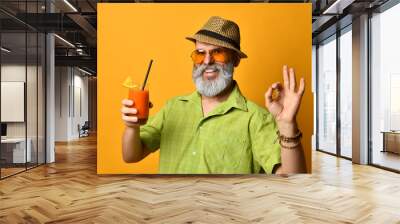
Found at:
[13, 103]
[22, 77]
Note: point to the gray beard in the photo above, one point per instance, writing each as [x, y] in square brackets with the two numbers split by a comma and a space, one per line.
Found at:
[211, 88]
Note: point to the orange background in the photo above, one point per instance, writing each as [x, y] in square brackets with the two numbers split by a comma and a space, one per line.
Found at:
[129, 35]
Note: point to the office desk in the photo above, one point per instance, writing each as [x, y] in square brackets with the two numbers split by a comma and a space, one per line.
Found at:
[391, 141]
[16, 147]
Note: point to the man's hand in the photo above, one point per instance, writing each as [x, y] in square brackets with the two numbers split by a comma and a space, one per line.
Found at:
[286, 103]
[129, 112]
[132, 149]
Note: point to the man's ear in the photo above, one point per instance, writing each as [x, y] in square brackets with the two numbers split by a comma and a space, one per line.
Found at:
[236, 61]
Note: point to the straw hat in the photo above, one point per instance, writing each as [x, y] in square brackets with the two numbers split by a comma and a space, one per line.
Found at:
[221, 32]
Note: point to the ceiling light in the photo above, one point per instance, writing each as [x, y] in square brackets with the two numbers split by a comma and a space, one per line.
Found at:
[84, 71]
[5, 50]
[70, 5]
[64, 40]
[338, 6]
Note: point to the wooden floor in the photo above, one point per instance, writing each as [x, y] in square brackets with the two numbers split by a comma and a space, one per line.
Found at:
[387, 159]
[70, 191]
[5, 172]
[10, 171]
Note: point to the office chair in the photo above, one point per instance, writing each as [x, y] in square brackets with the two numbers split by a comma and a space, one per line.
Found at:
[84, 130]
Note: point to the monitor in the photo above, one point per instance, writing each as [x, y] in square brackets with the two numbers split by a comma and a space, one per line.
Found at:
[3, 129]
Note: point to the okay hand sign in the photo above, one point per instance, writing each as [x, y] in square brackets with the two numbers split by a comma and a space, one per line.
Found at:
[286, 103]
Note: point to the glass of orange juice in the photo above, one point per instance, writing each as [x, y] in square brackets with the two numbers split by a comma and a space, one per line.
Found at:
[141, 102]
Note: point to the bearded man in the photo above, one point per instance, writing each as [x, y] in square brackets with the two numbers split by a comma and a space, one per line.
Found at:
[216, 130]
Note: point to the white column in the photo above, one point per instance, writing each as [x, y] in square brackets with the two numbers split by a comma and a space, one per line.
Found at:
[360, 90]
[50, 100]
[50, 92]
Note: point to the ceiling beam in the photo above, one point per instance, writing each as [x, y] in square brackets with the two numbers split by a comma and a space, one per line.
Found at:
[84, 24]
[82, 61]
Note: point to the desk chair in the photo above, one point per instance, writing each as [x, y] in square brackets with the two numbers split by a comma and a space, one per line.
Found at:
[84, 130]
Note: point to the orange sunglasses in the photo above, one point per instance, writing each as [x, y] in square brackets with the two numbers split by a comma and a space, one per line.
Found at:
[218, 55]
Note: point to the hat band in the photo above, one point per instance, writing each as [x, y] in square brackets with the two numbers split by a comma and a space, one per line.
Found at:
[219, 37]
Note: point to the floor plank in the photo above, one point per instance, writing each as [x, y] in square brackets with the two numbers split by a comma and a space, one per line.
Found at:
[70, 191]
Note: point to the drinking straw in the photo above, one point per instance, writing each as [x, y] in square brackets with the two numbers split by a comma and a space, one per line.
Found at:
[147, 74]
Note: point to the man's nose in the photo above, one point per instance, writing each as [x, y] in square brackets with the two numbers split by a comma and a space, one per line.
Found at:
[208, 59]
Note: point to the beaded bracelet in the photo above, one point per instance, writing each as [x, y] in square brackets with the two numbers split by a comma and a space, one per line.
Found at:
[283, 138]
[289, 147]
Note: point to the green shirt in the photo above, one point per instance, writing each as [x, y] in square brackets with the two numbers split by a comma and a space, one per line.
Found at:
[236, 137]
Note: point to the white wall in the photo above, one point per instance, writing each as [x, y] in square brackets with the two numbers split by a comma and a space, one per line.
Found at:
[12, 73]
[61, 103]
[81, 102]
[71, 94]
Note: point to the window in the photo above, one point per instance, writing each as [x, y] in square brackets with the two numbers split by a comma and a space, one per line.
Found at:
[385, 88]
[327, 96]
[346, 92]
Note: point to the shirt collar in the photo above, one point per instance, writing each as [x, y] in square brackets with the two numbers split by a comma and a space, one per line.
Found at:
[235, 100]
